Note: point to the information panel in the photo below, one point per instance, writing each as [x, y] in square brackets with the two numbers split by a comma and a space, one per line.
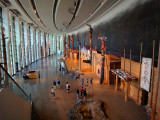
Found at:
[146, 73]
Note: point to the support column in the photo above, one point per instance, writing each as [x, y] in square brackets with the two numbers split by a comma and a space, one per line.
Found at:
[45, 43]
[116, 86]
[79, 57]
[56, 44]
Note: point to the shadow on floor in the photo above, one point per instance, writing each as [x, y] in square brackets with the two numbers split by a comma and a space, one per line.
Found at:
[34, 114]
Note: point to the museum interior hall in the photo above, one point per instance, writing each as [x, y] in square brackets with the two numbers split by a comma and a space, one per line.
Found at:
[79, 59]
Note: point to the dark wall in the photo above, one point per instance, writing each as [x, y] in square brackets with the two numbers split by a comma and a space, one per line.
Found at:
[128, 30]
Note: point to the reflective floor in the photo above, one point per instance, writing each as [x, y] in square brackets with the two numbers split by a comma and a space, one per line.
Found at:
[49, 108]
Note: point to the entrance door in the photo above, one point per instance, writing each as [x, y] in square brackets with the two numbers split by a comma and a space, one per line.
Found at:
[144, 97]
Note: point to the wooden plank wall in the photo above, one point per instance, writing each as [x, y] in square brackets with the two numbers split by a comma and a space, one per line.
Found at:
[133, 89]
[96, 63]
[135, 69]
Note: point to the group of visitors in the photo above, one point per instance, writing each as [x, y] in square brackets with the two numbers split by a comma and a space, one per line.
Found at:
[56, 84]
[61, 68]
[83, 91]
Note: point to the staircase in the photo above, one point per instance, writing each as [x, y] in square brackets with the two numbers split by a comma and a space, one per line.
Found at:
[15, 104]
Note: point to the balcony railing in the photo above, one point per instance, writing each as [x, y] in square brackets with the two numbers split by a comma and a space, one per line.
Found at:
[6, 81]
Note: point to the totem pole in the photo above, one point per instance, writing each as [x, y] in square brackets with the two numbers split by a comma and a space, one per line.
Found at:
[64, 46]
[4, 55]
[68, 45]
[72, 47]
[103, 39]
[91, 42]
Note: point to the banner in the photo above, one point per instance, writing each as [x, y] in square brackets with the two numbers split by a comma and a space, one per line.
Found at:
[146, 73]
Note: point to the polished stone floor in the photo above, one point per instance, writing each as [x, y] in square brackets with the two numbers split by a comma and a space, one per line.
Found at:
[49, 108]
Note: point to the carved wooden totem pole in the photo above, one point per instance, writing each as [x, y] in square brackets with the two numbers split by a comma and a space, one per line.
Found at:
[103, 39]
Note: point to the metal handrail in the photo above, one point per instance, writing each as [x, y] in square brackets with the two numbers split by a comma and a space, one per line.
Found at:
[16, 83]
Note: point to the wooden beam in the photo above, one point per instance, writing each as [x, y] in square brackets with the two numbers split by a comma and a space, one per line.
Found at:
[139, 72]
[124, 59]
[152, 80]
[130, 61]
[116, 86]
[156, 88]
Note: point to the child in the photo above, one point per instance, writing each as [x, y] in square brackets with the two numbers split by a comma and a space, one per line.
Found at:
[52, 92]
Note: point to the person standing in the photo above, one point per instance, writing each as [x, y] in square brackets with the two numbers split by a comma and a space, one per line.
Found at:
[84, 93]
[39, 74]
[67, 87]
[77, 93]
[53, 92]
[60, 67]
[91, 80]
[58, 83]
[54, 84]
[81, 89]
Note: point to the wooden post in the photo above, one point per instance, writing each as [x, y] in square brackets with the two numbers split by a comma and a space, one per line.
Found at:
[139, 72]
[126, 90]
[91, 41]
[108, 69]
[156, 88]
[116, 86]
[152, 80]
[124, 59]
[130, 61]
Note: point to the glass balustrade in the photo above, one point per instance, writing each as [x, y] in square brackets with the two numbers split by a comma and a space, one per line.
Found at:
[6, 81]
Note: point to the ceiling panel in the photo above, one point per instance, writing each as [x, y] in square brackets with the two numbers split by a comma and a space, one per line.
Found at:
[63, 16]
[45, 12]
[86, 8]
[105, 7]
[28, 8]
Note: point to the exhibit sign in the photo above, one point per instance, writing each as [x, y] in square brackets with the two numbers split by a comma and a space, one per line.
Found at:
[146, 73]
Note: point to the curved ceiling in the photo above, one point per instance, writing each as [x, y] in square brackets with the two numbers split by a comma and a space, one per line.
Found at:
[63, 16]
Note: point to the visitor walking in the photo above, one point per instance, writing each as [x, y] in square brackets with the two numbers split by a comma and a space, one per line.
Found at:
[54, 84]
[60, 67]
[67, 87]
[77, 93]
[53, 92]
